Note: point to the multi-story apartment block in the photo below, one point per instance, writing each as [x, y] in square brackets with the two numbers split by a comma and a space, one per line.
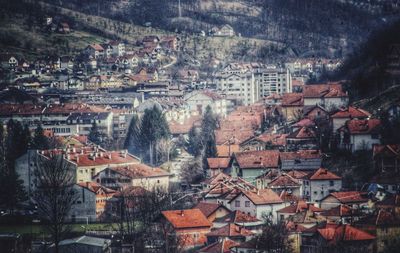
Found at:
[248, 83]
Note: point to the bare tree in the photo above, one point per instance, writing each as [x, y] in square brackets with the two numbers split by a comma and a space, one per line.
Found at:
[54, 195]
[164, 148]
[192, 171]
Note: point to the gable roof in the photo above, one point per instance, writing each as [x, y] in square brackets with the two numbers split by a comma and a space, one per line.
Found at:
[223, 246]
[189, 218]
[302, 133]
[299, 207]
[323, 174]
[258, 159]
[230, 230]
[370, 126]
[339, 211]
[333, 234]
[284, 180]
[209, 208]
[391, 150]
[261, 197]
[330, 90]
[351, 112]
[237, 217]
[218, 163]
[292, 99]
[349, 197]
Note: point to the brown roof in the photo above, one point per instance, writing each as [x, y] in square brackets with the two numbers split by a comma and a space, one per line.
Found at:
[363, 126]
[339, 211]
[230, 230]
[232, 136]
[258, 159]
[283, 181]
[392, 150]
[189, 218]
[140, 171]
[323, 90]
[223, 246]
[218, 163]
[334, 234]
[262, 197]
[351, 112]
[208, 208]
[237, 217]
[273, 139]
[302, 133]
[350, 197]
[292, 99]
[297, 174]
[323, 174]
[300, 154]
[95, 187]
[227, 150]
[299, 206]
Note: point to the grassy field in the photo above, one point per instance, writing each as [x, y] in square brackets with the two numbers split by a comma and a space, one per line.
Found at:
[40, 229]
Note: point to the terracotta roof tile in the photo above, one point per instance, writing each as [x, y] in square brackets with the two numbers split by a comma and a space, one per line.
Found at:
[302, 133]
[238, 217]
[323, 90]
[299, 206]
[292, 99]
[230, 230]
[258, 159]
[339, 211]
[189, 218]
[334, 234]
[323, 174]
[223, 246]
[218, 163]
[262, 197]
[208, 208]
[284, 180]
[351, 113]
[140, 171]
[350, 197]
[301, 154]
[363, 126]
[227, 150]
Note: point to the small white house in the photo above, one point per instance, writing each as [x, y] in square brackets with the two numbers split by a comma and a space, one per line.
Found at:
[359, 134]
[320, 184]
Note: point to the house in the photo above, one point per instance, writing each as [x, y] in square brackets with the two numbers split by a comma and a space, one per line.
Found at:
[284, 182]
[212, 210]
[217, 165]
[319, 184]
[103, 195]
[84, 207]
[330, 95]
[190, 226]
[384, 225]
[223, 31]
[119, 177]
[292, 106]
[342, 214]
[258, 203]
[354, 199]
[223, 246]
[240, 218]
[265, 141]
[95, 51]
[251, 164]
[339, 118]
[118, 48]
[359, 134]
[340, 238]
[297, 207]
[83, 244]
[390, 182]
[302, 138]
[199, 100]
[230, 231]
[315, 113]
[387, 158]
[304, 160]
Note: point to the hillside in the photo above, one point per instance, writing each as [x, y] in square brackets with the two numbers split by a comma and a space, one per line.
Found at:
[308, 27]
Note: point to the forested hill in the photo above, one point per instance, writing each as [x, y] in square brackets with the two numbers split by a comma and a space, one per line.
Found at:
[309, 27]
[375, 67]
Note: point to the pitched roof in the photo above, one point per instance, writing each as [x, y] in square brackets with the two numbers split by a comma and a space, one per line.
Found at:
[218, 163]
[323, 174]
[262, 197]
[223, 246]
[189, 218]
[323, 90]
[302, 133]
[292, 99]
[299, 206]
[230, 230]
[352, 113]
[297, 174]
[258, 159]
[208, 208]
[227, 150]
[284, 180]
[350, 197]
[339, 211]
[300, 154]
[97, 188]
[237, 217]
[381, 218]
[370, 126]
[391, 150]
[140, 171]
[333, 234]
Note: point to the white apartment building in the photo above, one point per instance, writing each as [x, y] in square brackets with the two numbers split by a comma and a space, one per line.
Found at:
[248, 83]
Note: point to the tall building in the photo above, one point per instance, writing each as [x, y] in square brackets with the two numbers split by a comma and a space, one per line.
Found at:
[248, 83]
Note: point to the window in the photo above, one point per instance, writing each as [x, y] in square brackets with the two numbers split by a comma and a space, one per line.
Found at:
[315, 193]
[237, 203]
[331, 183]
[247, 204]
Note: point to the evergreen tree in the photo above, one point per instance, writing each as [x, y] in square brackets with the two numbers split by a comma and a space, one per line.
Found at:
[132, 143]
[194, 146]
[208, 126]
[40, 141]
[17, 141]
[154, 127]
[95, 135]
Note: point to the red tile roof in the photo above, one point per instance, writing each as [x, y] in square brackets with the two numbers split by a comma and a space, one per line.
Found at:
[140, 171]
[284, 180]
[189, 218]
[323, 174]
[381, 218]
[185, 126]
[350, 197]
[232, 136]
[258, 159]
[392, 150]
[339, 211]
[323, 90]
[219, 247]
[262, 197]
[300, 206]
[334, 234]
[218, 163]
[302, 133]
[351, 113]
[230, 230]
[304, 123]
[301, 154]
[226, 150]
[363, 126]
[297, 174]
[273, 139]
[97, 188]
[208, 208]
[292, 99]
